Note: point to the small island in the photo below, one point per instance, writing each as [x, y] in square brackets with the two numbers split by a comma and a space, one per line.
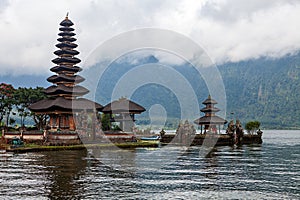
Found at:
[186, 132]
[69, 121]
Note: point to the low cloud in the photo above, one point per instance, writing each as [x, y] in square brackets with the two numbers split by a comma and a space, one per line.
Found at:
[232, 30]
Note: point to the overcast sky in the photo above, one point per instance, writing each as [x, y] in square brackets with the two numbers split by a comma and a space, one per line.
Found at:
[231, 30]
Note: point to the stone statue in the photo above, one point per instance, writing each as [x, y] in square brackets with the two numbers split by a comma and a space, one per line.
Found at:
[259, 132]
[162, 133]
[231, 128]
[185, 132]
[239, 132]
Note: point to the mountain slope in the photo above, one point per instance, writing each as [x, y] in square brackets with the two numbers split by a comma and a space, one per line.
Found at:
[262, 89]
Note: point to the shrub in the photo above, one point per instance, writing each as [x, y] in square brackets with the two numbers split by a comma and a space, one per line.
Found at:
[252, 126]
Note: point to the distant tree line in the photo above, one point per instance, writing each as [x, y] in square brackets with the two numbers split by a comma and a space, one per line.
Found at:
[14, 104]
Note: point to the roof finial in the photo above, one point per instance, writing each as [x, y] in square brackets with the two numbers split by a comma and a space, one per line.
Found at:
[67, 15]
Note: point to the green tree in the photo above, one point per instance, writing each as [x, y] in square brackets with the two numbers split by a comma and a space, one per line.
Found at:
[25, 97]
[39, 119]
[252, 126]
[6, 101]
[22, 101]
[105, 121]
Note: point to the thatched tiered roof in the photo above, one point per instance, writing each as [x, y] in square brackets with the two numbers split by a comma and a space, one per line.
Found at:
[210, 116]
[63, 94]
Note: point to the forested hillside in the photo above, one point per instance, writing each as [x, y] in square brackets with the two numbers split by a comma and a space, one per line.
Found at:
[263, 89]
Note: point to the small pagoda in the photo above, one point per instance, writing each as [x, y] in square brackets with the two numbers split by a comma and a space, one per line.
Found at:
[122, 112]
[210, 120]
[64, 95]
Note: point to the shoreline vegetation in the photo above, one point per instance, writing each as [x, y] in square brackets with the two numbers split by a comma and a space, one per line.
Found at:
[14, 112]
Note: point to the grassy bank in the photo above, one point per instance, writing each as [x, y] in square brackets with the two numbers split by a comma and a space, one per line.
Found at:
[38, 148]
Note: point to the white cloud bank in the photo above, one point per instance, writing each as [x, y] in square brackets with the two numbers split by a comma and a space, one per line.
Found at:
[231, 30]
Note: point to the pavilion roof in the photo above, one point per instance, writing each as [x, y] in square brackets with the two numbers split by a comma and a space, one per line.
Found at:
[210, 120]
[123, 105]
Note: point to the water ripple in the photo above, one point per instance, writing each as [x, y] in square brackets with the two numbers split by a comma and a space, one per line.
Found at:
[268, 171]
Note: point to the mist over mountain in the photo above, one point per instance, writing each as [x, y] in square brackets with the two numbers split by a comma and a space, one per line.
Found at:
[261, 89]
[264, 89]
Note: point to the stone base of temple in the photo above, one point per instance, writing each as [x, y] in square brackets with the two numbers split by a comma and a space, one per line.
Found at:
[45, 138]
[252, 139]
[62, 138]
[74, 138]
[65, 138]
[218, 140]
[106, 137]
[28, 137]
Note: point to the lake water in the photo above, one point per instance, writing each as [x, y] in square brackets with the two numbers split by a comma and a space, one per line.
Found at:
[267, 171]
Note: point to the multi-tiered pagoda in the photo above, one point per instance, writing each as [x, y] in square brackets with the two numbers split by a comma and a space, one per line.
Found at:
[63, 96]
[210, 120]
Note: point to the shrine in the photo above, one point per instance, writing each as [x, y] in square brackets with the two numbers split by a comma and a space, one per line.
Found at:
[73, 118]
[122, 112]
[64, 95]
[210, 120]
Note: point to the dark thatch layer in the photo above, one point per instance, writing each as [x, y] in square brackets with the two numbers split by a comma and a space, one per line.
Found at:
[66, 39]
[62, 95]
[62, 68]
[66, 45]
[73, 60]
[67, 33]
[123, 105]
[66, 29]
[209, 100]
[62, 104]
[66, 52]
[66, 22]
[213, 109]
[62, 89]
[210, 120]
[64, 78]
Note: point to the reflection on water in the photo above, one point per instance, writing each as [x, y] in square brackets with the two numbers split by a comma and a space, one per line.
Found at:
[267, 171]
[45, 174]
[63, 169]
